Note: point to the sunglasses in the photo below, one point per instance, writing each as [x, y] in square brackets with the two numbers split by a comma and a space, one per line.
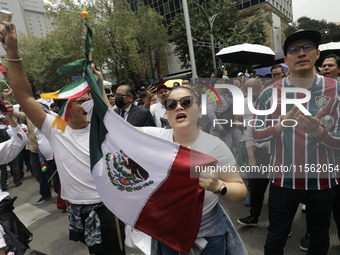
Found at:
[185, 102]
[307, 48]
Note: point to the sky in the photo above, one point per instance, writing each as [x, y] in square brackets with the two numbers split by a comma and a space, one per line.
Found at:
[317, 9]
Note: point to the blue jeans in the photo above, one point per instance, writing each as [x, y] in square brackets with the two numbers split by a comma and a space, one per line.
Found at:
[283, 203]
[216, 245]
[39, 175]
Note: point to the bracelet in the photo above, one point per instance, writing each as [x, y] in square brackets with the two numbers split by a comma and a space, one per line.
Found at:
[14, 60]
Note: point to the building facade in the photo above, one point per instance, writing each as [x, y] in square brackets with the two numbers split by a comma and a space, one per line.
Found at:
[280, 12]
[28, 16]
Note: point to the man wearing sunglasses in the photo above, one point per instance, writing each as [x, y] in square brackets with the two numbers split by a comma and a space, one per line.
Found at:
[136, 116]
[300, 146]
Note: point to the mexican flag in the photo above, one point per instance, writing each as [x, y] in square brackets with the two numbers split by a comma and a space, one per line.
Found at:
[144, 180]
[73, 90]
[3, 72]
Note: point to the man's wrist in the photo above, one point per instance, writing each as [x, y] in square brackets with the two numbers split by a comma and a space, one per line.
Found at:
[13, 54]
[317, 132]
[279, 128]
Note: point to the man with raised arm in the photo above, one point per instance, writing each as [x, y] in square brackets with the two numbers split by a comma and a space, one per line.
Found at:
[90, 221]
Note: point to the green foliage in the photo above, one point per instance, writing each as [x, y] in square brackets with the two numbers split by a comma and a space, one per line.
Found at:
[309, 23]
[228, 29]
[119, 35]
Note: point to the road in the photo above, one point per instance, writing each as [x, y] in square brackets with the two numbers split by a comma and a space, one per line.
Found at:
[50, 226]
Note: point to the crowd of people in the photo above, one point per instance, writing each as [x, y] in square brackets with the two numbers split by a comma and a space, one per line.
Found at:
[295, 140]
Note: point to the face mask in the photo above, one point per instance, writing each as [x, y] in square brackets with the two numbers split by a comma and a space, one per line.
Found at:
[120, 102]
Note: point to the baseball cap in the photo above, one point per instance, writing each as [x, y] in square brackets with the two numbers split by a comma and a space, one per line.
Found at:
[312, 35]
[240, 73]
[161, 86]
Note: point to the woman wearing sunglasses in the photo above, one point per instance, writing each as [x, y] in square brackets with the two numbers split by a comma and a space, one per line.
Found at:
[184, 110]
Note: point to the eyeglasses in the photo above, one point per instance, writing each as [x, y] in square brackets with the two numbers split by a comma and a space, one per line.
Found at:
[185, 102]
[81, 101]
[121, 95]
[185, 83]
[296, 49]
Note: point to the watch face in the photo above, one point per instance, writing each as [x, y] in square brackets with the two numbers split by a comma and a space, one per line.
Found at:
[223, 190]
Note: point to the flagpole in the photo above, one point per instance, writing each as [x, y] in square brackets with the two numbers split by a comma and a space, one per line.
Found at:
[7, 85]
[85, 14]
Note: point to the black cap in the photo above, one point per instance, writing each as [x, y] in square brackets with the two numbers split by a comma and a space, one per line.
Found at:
[312, 35]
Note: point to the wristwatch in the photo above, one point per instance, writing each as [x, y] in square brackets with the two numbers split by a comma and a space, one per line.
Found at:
[222, 191]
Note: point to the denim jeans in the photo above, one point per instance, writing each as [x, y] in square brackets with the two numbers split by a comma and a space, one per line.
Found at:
[283, 203]
[39, 175]
[216, 245]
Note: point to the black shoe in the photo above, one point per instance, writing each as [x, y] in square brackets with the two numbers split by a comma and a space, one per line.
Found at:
[248, 221]
[42, 200]
[304, 243]
[18, 184]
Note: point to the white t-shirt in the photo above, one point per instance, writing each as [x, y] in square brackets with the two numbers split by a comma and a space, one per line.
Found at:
[72, 154]
[157, 111]
[206, 144]
[10, 149]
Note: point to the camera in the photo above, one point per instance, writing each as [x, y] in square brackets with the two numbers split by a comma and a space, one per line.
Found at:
[5, 17]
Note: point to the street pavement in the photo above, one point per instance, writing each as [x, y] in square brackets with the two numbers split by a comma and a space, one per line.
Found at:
[49, 225]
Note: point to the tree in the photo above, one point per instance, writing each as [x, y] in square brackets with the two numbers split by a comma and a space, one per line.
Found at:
[119, 36]
[309, 23]
[228, 29]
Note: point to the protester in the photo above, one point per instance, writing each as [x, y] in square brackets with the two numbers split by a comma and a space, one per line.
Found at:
[32, 146]
[183, 111]
[176, 84]
[54, 107]
[112, 100]
[216, 112]
[254, 154]
[133, 114]
[157, 110]
[11, 148]
[71, 148]
[8, 151]
[277, 72]
[304, 146]
[330, 68]
[5, 135]
[186, 83]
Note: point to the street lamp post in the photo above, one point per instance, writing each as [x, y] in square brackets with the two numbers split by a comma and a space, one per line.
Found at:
[211, 23]
[189, 39]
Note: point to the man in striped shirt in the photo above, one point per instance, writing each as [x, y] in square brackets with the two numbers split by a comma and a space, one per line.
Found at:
[304, 169]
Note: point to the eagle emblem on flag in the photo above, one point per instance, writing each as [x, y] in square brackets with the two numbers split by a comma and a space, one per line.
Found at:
[322, 101]
[125, 173]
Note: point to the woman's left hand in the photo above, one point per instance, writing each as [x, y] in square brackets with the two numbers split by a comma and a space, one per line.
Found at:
[210, 182]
